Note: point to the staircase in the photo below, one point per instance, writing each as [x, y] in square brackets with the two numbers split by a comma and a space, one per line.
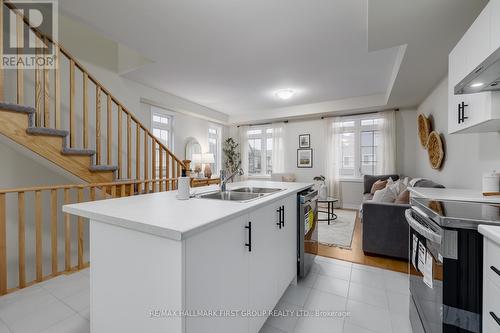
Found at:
[66, 116]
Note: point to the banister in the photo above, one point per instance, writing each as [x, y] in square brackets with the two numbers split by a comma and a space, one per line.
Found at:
[75, 63]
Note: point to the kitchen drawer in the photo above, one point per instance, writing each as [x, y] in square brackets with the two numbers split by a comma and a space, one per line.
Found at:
[492, 258]
[491, 303]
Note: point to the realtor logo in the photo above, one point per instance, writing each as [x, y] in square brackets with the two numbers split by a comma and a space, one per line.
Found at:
[30, 28]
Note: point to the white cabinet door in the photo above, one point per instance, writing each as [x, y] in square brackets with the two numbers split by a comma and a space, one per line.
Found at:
[495, 25]
[477, 40]
[217, 263]
[288, 245]
[263, 285]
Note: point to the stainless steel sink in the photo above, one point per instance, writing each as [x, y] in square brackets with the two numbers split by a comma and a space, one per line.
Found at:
[231, 196]
[259, 190]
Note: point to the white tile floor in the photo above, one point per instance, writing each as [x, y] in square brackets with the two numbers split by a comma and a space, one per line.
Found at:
[377, 300]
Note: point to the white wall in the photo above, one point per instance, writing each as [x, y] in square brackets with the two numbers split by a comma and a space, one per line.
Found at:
[351, 190]
[467, 156]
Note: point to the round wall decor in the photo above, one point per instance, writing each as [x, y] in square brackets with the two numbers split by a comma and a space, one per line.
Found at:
[435, 150]
[424, 129]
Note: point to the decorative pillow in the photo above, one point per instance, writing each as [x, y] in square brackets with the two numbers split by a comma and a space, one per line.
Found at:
[288, 179]
[384, 195]
[397, 187]
[379, 185]
[403, 197]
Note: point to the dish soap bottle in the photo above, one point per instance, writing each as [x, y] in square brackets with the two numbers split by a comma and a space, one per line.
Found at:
[183, 188]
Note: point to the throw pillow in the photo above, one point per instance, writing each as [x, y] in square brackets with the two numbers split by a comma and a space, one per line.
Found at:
[398, 187]
[384, 195]
[403, 197]
[288, 179]
[379, 185]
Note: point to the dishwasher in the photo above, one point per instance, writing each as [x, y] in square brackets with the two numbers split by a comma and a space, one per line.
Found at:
[307, 230]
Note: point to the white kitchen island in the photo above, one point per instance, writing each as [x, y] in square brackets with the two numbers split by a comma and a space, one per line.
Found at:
[159, 264]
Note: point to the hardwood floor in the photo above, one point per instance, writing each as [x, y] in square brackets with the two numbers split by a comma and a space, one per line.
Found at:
[356, 254]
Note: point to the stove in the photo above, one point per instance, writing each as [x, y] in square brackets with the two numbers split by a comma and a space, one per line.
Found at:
[446, 264]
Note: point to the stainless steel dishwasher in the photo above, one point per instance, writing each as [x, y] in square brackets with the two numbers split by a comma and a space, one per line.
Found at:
[307, 230]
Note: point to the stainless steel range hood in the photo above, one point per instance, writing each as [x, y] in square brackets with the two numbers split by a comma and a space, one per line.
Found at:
[485, 77]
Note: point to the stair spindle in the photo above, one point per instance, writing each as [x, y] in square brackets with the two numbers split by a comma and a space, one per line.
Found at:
[120, 129]
[53, 229]
[38, 236]
[146, 167]
[80, 232]
[98, 125]
[138, 151]
[85, 111]
[46, 87]
[67, 233]
[3, 246]
[109, 134]
[21, 239]
[38, 85]
[129, 146]
[20, 67]
[72, 120]
[57, 88]
[2, 74]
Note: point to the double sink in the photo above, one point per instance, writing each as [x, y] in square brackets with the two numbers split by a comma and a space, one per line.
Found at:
[241, 194]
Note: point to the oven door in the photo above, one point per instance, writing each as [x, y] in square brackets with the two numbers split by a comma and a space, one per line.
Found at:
[427, 298]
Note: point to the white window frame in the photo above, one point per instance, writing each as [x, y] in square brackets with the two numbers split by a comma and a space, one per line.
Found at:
[357, 129]
[157, 111]
[217, 166]
[266, 133]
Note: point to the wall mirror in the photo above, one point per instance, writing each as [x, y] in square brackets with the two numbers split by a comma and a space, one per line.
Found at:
[193, 152]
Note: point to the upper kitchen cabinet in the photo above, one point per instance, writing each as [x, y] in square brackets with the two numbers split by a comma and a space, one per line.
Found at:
[479, 112]
[495, 25]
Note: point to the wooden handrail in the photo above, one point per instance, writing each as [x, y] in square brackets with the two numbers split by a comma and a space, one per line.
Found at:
[48, 216]
[42, 78]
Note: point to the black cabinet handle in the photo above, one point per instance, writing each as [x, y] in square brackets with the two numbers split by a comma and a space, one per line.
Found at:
[279, 217]
[461, 112]
[282, 216]
[495, 317]
[249, 244]
[496, 270]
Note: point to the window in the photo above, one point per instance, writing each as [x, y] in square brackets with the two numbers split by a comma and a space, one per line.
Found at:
[260, 151]
[360, 141]
[162, 126]
[215, 146]
[161, 123]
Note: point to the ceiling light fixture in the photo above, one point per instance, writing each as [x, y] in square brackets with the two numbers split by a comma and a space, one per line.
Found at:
[477, 85]
[284, 93]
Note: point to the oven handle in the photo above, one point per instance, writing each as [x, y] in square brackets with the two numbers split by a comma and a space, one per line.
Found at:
[422, 230]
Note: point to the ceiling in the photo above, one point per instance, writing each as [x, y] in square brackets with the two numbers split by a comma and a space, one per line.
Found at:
[232, 55]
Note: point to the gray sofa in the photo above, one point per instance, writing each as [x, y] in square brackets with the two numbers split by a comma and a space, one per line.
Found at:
[385, 231]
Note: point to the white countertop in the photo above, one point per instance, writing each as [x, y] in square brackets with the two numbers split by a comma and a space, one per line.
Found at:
[453, 194]
[163, 215]
[490, 232]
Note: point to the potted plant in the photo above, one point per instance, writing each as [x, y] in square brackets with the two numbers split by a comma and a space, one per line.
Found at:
[232, 158]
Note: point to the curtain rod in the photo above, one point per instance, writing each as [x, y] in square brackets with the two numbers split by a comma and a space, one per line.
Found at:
[359, 114]
[262, 124]
[322, 117]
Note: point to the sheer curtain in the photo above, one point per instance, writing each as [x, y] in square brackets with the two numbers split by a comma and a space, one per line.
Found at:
[243, 142]
[278, 157]
[333, 156]
[387, 149]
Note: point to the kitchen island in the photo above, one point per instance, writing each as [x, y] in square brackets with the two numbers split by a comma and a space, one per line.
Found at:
[159, 264]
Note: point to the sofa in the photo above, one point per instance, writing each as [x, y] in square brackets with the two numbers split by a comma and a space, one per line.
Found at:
[385, 230]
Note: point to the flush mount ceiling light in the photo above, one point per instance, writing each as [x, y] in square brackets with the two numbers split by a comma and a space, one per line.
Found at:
[477, 85]
[284, 93]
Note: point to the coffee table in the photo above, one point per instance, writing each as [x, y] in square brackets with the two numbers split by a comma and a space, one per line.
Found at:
[331, 216]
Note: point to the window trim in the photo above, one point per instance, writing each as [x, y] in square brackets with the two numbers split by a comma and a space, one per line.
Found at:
[357, 129]
[165, 113]
[264, 136]
[218, 158]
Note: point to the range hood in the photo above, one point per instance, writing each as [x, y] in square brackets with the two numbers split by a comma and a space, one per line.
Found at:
[485, 77]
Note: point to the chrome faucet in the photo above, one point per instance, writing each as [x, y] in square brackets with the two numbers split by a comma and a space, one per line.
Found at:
[224, 179]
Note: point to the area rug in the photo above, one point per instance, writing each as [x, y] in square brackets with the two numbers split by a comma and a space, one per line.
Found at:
[340, 231]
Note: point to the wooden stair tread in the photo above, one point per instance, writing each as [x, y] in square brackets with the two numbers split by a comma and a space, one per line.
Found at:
[47, 131]
[16, 107]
